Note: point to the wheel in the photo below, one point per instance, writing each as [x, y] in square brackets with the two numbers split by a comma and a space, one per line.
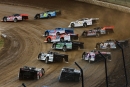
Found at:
[83, 56]
[46, 60]
[37, 17]
[84, 25]
[72, 25]
[54, 46]
[43, 71]
[46, 33]
[98, 46]
[5, 19]
[38, 77]
[108, 32]
[64, 48]
[85, 34]
[49, 16]
[61, 39]
[89, 60]
[97, 34]
[48, 40]
[58, 33]
[15, 20]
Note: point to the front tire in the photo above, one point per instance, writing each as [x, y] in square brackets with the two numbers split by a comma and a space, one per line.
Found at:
[72, 25]
[64, 48]
[48, 40]
[97, 34]
[46, 34]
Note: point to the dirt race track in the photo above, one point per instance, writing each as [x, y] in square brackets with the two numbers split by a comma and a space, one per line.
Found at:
[24, 42]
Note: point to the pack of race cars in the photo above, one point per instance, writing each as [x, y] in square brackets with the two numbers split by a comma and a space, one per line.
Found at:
[65, 39]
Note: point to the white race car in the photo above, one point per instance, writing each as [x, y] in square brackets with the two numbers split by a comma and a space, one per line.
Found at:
[84, 22]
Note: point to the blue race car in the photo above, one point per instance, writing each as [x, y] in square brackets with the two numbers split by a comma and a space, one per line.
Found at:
[58, 31]
[47, 14]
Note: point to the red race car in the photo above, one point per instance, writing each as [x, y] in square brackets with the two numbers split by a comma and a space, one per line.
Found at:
[15, 17]
[61, 37]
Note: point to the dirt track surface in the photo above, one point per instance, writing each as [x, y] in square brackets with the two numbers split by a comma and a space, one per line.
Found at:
[24, 42]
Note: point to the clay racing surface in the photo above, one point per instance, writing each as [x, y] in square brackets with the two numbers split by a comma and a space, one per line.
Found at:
[24, 42]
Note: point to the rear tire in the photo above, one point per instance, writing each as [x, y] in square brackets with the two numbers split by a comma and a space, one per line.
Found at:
[37, 17]
[46, 60]
[15, 20]
[61, 39]
[5, 19]
[64, 48]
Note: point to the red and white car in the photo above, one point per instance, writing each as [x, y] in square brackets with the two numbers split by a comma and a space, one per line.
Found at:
[61, 37]
[15, 17]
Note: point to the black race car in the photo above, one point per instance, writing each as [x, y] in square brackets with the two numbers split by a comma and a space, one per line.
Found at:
[98, 31]
[67, 45]
[69, 74]
[30, 73]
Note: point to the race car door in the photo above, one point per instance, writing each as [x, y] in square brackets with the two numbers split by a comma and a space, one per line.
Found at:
[91, 33]
[59, 45]
[44, 15]
[79, 22]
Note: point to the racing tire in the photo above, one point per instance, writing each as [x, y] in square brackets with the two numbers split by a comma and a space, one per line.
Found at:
[98, 46]
[58, 33]
[83, 56]
[72, 25]
[97, 34]
[84, 25]
[64, 48]
[108, 32]
[5, 19]
[48, 40]
[89, 60]
[15, 20]
[46, 60]
[46, 34]
[49, 16]
[37, 17]
[85, 34]
[61, 39]
[43, 71]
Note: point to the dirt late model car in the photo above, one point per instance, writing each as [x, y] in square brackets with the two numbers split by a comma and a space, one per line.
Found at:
[62, 37]
[15, 17]
[111, 44]
[84, 22]
[95, 56]
[30, 73]
[58, 31]
[52, 57]
[67, 45]
[69, 74]
[47, 14]
[98, 31]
